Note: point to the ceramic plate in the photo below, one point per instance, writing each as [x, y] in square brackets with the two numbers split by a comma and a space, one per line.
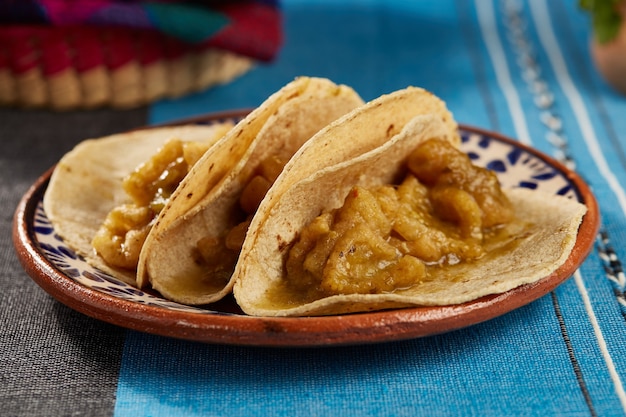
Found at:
[68, 278]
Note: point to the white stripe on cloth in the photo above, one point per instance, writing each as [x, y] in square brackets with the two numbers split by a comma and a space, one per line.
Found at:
[548, 40]
[486, 19]
[619, 388]
[543, 23]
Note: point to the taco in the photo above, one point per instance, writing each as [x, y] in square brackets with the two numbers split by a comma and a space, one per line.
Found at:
[408, 222]
[190, 253]
[88, 184]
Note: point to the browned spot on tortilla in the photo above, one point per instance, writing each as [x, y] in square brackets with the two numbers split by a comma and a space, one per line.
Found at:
[282, 243]
[211, 167]
[196, 257]
[390, 130]
[189, 195]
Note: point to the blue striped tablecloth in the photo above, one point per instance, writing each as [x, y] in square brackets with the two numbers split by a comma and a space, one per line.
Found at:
[516, 67]
[520, 68]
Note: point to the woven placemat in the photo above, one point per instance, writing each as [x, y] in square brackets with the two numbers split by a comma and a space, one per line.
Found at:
[86, 67]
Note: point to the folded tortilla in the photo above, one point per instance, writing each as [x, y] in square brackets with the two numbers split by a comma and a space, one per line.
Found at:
[86, 183]
[539, 249]
[203, 205]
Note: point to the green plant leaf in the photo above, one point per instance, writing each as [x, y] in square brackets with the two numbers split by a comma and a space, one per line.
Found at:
[605, 18]
[606, 27]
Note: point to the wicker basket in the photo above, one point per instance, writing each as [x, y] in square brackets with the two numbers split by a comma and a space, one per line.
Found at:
[86, 67]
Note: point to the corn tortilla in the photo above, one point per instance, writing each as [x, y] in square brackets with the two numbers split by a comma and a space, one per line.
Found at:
[203, 204]
[86, 183]
[540, 248]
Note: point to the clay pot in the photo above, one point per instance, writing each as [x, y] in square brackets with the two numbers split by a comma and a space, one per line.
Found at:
[610, 58]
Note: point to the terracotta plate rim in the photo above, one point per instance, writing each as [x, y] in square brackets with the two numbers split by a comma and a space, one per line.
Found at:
[351, 329]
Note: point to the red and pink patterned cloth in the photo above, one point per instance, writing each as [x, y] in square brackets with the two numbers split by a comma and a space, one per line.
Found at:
[248, 27]
[51, 49]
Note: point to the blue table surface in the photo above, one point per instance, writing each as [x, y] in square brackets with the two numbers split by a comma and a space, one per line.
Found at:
[491, 61]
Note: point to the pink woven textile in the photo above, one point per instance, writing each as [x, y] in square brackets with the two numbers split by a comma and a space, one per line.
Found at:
[72, 54]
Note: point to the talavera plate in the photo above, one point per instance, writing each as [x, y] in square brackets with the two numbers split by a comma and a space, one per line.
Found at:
[72, 281]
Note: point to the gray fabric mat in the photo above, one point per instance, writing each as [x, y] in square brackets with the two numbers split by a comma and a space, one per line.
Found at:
[48, 352]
